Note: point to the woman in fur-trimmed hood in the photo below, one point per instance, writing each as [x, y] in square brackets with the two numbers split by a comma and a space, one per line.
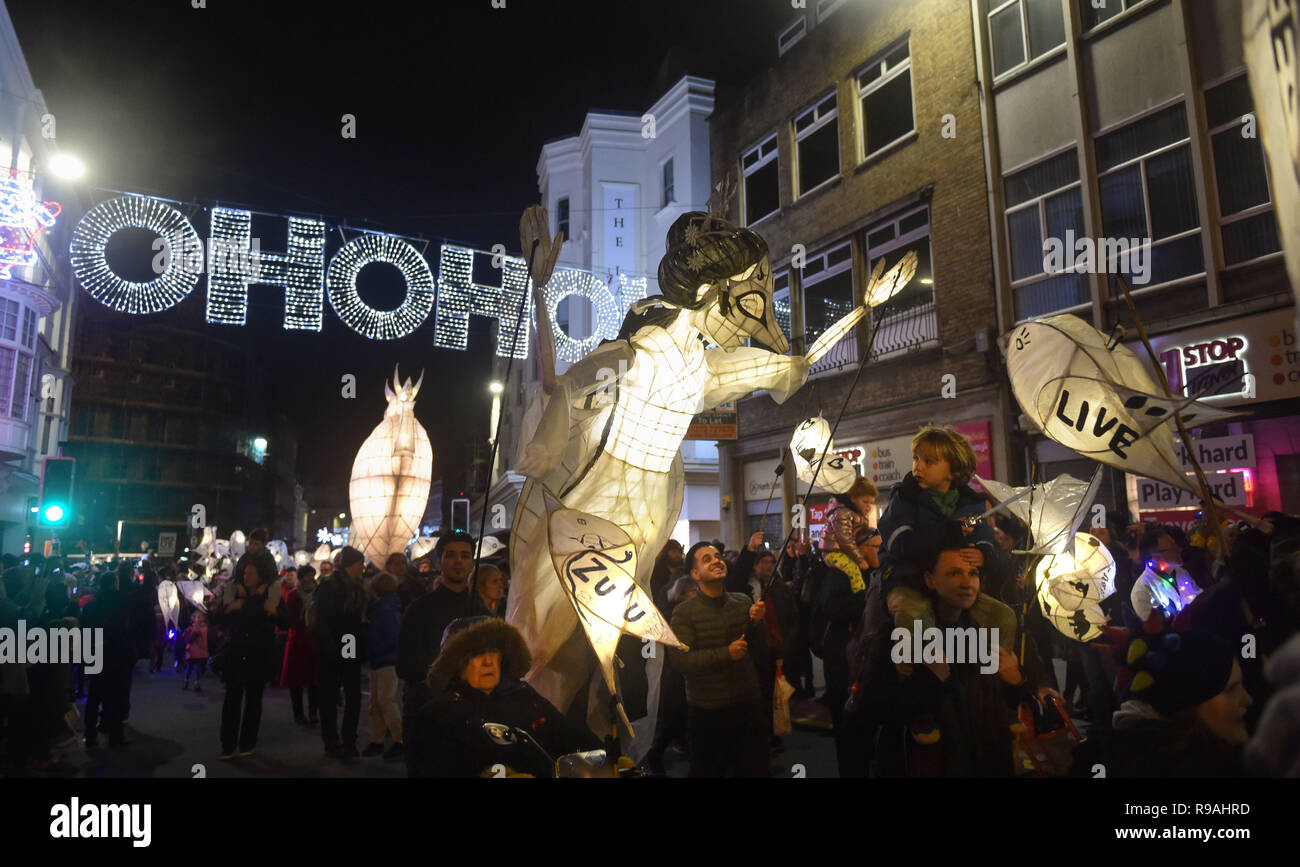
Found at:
[474, 636]
[475, 680]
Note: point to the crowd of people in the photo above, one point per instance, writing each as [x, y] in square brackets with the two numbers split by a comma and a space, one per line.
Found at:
[1194, 673]
[312, 632]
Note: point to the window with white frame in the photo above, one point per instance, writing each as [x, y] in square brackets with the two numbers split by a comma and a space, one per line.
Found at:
[1247, 221]
[1094, 12]
[1044, 200]
[1148, 195]
[817, 144]
[1022, 30]
[907, 321]
[668, 197]
[786, 39]
[760, 184]
[827, 290]
[15, 363]
[562, 217]
[9, 312]
[29, 328]
[885, 98]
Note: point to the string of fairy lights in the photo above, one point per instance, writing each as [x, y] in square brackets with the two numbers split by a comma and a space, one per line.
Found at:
[360, 316]
[235, 261]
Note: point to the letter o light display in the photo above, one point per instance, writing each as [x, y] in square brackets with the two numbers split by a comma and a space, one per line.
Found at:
[360, 316]
[105, 220]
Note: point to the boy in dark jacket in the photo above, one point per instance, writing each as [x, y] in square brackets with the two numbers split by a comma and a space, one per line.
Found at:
[921, 511]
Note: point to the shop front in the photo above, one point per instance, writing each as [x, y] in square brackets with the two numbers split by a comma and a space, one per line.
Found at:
[1252, 463]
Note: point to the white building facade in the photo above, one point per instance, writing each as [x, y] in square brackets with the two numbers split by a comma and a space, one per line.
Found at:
[37, 297]
[614, 189]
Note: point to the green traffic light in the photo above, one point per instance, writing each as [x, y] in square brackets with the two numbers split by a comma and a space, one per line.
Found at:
[53, 513]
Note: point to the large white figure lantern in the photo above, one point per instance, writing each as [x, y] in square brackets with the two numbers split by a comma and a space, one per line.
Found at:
[608, 442]
[391, 477]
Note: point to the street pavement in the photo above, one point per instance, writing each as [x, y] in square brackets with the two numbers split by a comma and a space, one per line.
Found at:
[174, 733]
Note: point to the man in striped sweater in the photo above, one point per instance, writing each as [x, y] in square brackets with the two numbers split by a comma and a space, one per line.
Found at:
[727, 721]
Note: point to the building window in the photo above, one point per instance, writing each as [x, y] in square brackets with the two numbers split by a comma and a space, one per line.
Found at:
[885, 96]
[1247, 221]
[817, 144]
[29, 328]
[1092, 16]
[825, 8]
[562, 217]
[1044, 201]
[669, 197]
[9, 320]
[1022, 30]
[760, 184]
[787, 38]
[1148, 194]
[907, 321]
[827, 284]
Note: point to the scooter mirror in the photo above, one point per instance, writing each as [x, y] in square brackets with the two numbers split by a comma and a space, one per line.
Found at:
[500, 734]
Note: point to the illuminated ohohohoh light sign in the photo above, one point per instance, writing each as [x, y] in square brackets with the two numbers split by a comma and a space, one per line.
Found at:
[302, 272]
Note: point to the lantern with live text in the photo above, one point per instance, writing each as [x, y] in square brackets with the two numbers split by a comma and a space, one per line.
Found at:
[1093, 395]
[391, 477]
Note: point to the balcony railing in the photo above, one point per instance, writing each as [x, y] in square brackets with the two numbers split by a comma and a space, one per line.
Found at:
[901, 331]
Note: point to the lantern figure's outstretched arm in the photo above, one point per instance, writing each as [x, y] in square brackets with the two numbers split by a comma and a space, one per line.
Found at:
[834, 335]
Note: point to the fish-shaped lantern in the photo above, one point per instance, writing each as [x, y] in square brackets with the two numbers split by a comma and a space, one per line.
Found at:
[391, 477]
[1097, 398]
[1072, 584]
[810, 443]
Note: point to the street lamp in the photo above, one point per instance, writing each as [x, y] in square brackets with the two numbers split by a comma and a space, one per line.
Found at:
[496, 388]
[67, 167]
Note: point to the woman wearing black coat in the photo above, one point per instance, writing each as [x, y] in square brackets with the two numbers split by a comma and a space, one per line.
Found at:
[250, 618]
[475, 681]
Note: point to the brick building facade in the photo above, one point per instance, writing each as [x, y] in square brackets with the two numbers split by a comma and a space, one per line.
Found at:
[889, 183]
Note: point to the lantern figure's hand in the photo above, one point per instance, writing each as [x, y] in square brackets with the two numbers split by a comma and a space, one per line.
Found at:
[534, 227]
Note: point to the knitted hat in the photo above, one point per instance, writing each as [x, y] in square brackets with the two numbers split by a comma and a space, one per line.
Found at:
[349, 556]
[1172, 671]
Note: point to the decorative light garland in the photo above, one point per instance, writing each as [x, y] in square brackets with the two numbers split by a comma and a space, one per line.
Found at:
[234, 263]
[360, 316]
[106, 219]
[459, 296]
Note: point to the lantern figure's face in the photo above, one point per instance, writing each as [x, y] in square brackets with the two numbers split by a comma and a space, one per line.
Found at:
[745, 310]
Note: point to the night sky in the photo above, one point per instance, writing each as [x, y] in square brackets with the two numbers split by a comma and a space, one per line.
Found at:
[241, 103]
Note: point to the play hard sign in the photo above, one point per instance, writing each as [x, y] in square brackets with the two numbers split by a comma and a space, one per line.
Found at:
[1230, 488]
